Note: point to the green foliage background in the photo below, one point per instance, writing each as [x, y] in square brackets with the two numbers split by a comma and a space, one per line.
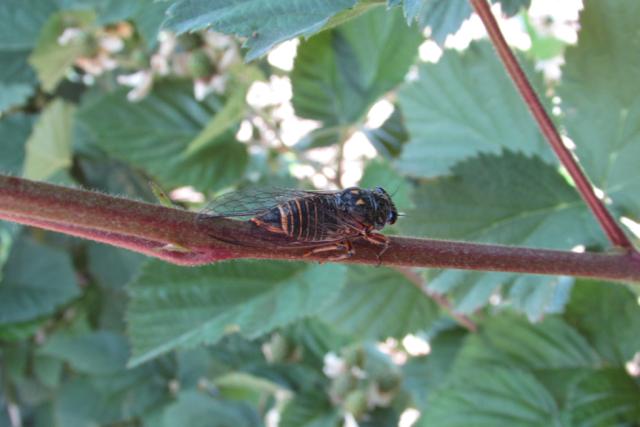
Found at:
[96, 336]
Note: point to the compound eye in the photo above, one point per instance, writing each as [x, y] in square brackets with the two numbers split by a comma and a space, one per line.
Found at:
[392, 218]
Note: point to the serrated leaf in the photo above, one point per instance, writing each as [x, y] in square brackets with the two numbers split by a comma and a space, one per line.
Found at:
[50, 58]
[493, 397]
[172, 306]
[14, 131]
[264, 23]
[601, 105]
[380, 303]
[154, 134]
[511, 340]
[36, 281]
[100, 353]
[195, 409]
[464, 105]
[340, 73]
[389, 138]
[604, 398]
[511, 199]
[445, 17]
[608, 315]
[48, 149]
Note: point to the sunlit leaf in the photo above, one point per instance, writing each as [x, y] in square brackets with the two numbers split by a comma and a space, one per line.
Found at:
[48, 149]
[463, 105]
[601, 104]
[263, 22]
[339, 74]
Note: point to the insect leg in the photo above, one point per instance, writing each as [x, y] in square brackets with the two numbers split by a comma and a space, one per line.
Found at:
[343, 245]
[378, 239]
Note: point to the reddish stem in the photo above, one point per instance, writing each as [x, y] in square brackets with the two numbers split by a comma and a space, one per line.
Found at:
[615, 234]
[177, 236]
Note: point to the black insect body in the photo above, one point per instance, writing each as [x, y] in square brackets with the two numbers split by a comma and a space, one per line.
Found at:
[328, 219]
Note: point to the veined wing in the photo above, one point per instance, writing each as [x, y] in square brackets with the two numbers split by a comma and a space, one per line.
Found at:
[252, 201]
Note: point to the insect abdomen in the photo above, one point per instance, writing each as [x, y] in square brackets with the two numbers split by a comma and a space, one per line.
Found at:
[301, 219]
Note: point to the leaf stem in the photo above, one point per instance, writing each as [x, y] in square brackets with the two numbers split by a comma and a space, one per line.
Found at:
[613, 231]
[440, 299]
[180, 237]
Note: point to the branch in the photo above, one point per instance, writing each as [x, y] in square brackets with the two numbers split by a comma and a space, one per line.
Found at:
[613, 231]
[178, 236]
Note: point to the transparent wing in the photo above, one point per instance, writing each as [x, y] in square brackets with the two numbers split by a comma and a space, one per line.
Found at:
[252, 201]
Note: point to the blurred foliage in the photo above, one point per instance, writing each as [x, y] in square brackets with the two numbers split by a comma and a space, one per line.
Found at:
[112, 94]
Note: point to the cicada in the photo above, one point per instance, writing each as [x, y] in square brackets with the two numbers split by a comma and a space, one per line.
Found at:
[323, 220]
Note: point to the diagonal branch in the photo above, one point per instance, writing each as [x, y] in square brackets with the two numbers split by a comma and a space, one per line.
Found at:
[615, 234]
[178, 236]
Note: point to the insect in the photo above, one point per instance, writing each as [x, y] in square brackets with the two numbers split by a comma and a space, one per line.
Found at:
[323, 220]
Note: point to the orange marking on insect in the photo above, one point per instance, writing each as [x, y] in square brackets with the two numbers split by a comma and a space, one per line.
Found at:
[360, 202]
[284, 223]
[355, 191]
[266, 226]
[299, 218]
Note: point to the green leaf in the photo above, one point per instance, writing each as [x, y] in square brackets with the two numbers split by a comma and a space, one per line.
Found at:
[602, 108]
[310, 409]
[99, 353]
[17, 79]
[464, 105]
[511, 199]
[195, 409]
[48, 149]
[378, 173]
[154, 134]
[50, 58]
[233, 111]
[113, 267]
[445, 17]
[264, 23]
[389, 139]
[379, 303]
[493, 397]
[107, 400]
[14, 131]
[149, 19]
[22, 21]
[511, 340]
[542, 46]
[424, 374]
[608, 315]
[605, 398]
[35, 282]
[339, 74]
[172, 306]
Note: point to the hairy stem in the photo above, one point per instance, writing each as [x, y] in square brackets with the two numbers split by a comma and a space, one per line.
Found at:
[180, 237]
[615, 234]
